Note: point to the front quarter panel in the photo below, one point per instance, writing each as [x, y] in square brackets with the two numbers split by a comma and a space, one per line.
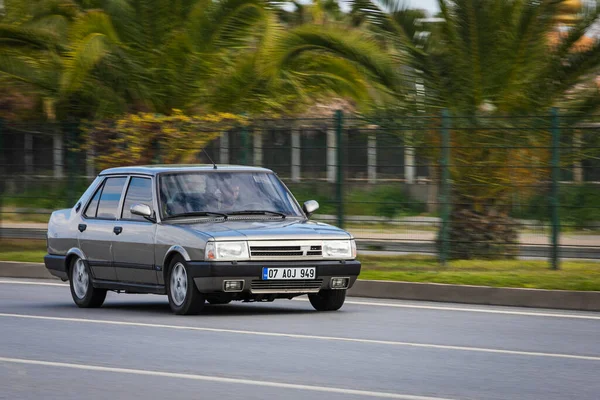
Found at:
[170, 239]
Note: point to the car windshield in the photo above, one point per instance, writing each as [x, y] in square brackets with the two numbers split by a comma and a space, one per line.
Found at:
[217, 193]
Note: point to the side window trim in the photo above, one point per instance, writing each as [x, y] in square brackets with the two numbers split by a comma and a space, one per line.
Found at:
[123, 198]
[99, 188]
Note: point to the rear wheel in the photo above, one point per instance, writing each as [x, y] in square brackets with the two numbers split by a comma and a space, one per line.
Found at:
[84, 294]
[184, 297]
[328, 300]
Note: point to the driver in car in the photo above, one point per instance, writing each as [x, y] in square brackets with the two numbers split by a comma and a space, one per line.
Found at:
[228, 192]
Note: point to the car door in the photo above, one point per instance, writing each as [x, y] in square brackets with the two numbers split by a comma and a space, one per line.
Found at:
[96, 228]
[133, 245]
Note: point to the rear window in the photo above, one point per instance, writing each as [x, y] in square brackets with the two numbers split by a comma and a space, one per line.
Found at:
[110, 198]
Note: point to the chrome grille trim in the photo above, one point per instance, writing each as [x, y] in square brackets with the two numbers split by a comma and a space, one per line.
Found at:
[286, 249]
[286, 286]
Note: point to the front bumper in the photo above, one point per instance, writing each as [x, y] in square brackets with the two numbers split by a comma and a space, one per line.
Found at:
[210, 277]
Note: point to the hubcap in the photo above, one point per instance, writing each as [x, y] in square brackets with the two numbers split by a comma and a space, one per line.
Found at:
[80, 279]
[178, 284]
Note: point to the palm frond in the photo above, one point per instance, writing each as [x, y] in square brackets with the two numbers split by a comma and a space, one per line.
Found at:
[88, 53]
[18, 37]
[230, 23]
[351, 46]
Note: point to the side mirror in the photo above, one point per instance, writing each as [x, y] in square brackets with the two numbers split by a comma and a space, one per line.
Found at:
[310, 207]
[142, 210]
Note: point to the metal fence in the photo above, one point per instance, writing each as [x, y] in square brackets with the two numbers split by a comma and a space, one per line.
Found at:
[442, 185]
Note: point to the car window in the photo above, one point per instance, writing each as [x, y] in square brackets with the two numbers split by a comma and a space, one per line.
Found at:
[138, 192]
[110, 197]
[91, 209]
[224, 192]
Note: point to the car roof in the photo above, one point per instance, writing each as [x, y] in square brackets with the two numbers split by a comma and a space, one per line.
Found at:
[157, 169]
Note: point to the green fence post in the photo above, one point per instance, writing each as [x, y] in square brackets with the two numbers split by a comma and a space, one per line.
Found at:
[445, 190]
[1, 172]
[244, 144]
[157, 152]
[339, 192]
[554, 197]
[70, 162]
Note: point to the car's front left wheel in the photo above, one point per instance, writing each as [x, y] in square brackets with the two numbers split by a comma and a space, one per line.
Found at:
[328, 300]
[84, 294]
[184, 297]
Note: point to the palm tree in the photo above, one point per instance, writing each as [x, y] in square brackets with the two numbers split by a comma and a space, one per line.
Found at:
[490, 58]
[113, 56]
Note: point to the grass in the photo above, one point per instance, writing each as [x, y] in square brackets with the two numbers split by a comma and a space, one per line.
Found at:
[574, 275]
[29, 250]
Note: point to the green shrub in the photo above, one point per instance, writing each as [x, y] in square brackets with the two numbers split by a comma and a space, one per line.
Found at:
[382, 200]
[579, 205]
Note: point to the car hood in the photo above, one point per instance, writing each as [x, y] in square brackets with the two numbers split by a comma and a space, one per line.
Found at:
[267, 230]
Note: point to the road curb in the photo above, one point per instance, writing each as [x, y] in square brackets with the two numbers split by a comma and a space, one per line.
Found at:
[538, 298]
[16, 269]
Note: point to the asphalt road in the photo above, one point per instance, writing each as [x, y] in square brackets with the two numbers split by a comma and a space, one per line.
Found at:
[134, 347]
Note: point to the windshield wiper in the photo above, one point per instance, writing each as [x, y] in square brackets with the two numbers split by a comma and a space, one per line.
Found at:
[258, 212]
[198, 214]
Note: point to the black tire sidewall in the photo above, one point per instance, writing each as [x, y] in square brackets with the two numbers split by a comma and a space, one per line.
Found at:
[194, 300]
[328, 300]
[90, 294]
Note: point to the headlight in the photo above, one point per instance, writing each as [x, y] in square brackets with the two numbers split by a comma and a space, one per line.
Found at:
[344, 249]
[226, 251]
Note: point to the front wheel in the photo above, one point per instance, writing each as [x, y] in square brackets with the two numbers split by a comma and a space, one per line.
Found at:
[84, 294]
[328, 300]
[184, 297]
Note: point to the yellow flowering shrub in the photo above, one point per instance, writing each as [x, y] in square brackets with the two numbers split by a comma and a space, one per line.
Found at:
[146, 138]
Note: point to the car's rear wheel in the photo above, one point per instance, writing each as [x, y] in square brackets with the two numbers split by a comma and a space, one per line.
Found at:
[84, 294]
[328, 300]
[184, 297]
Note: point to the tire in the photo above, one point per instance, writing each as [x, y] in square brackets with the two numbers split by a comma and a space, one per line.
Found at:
[328, 300]
[184, 297]
[84, 294]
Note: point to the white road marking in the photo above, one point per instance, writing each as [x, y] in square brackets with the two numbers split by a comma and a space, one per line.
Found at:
[309, 337]
[392, 305]
[219, 379]
[463, 309]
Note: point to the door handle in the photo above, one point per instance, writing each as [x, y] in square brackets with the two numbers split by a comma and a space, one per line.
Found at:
[117, 229]
[82, 227]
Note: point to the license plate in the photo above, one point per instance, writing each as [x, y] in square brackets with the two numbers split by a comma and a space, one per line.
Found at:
[289, 273]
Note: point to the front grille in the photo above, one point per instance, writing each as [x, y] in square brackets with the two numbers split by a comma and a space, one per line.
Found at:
[285, 251]
[276, 248]
[275, 253]
[286, 286]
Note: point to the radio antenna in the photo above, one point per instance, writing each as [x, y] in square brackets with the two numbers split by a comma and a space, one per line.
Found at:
[210, 159]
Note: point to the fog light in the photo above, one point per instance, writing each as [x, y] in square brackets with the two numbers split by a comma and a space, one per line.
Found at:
[233, 286]
[339, 283]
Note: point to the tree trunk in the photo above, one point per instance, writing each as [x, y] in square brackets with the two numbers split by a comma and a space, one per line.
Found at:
[482, 235]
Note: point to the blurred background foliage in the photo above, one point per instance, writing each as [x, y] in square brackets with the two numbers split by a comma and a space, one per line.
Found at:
[134, 62]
